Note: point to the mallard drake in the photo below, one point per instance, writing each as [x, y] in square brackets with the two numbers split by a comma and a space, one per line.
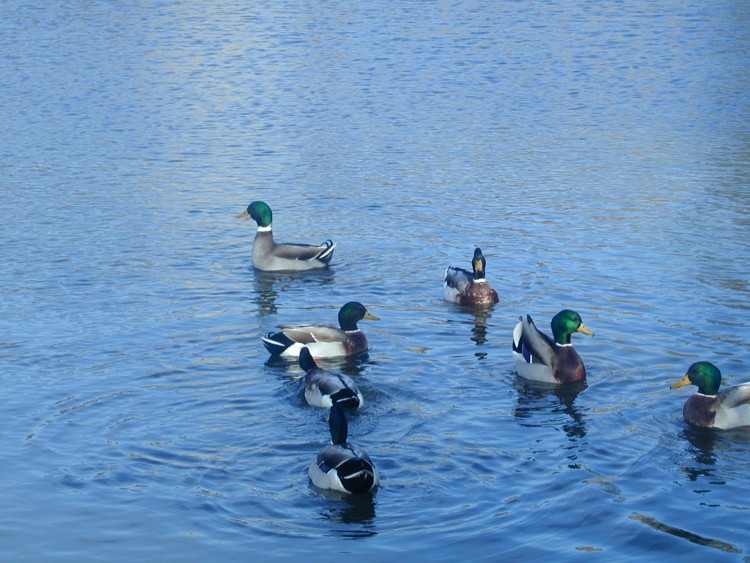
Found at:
[710, 408]
[323, 341]
[541, 358]
[469, 288]
[343, 466]
[272, 257]
[323, 388]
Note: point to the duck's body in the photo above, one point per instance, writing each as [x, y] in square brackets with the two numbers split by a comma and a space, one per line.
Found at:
[541, 358]
[323, 388]
[270, 256]
[711, 408]
[469, 288]
[323, 341]
[343, 466]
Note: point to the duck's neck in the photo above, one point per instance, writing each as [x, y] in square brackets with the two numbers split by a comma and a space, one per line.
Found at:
[338, 425]
[562, 339]
[348, 325]
[264, 229]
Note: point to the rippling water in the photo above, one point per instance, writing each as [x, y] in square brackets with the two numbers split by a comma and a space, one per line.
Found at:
[599, 154]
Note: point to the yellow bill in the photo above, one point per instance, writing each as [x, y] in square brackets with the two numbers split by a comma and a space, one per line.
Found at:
[681, 383]
[585, 330]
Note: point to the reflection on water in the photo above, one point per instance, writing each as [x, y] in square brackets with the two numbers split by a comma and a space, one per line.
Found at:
[707, 445]
[479, 331]
[349, 365]
[478, 318]
[702, 442]
[357, 512]
[270, 285]
[534, 398]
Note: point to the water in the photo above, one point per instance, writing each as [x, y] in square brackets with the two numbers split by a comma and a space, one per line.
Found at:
[598, 154]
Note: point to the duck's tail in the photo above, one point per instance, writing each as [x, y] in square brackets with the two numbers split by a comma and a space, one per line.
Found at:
[346, 398]
[326, 254]
[357, 475]
[276, 342]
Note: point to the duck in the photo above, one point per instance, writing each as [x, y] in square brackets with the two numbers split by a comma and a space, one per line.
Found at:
[270, 256]
[343, 466]
[709, 408]
[323, 388]
[469, 288]
[323, 341]
[540, 358]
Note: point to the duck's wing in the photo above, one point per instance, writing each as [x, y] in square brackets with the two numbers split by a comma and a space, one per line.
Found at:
[335, 387]
[353, 466]
[535, 346]
[737, 396]
[458, 278]
[289, 340]
[332, 456]
[307, 334]
[290, 251]
[732, 407]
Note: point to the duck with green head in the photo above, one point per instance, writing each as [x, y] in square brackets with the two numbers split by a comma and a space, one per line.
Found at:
[323, 341]
[343, 466]
[709, 407]
[274, 257]
[552, 360]
[469, 288]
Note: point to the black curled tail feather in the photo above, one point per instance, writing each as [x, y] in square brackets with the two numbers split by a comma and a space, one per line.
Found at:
[346, 398]
[357, 475]
[276, 342]
[327, 253]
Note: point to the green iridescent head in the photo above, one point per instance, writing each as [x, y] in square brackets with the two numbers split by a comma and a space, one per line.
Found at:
[565, 323]
[703, 374]
[259, 212]
[478, 263]
[353, 312]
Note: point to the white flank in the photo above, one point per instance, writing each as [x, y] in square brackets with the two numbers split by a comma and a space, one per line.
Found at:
[328, 481]
[317, 350]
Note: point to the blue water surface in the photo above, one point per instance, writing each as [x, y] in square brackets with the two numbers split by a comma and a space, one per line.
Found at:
[597, 152]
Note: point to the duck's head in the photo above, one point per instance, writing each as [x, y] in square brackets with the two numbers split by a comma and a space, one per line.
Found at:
[703, 374]
[306, 361]
[478, 263]
[338, 425]
[565, 323]
[353, 312]
[259, 212]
